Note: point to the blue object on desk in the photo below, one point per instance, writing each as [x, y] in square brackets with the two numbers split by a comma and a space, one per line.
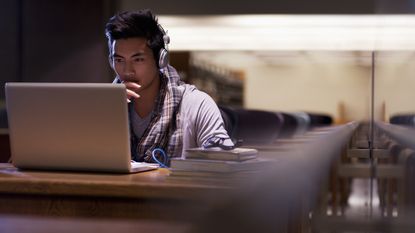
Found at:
[163, 155]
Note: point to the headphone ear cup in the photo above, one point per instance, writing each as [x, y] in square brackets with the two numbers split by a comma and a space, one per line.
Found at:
[163, 58]
[166, 39]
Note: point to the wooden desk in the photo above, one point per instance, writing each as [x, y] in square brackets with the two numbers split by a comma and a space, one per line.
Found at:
[146, 195]
[278, 200]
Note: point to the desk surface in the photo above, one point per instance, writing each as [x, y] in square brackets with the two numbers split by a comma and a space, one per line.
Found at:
[151, 195]
[149, 184]
[144, 195]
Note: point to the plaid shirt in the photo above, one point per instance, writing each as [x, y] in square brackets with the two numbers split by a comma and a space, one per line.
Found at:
[162, 132]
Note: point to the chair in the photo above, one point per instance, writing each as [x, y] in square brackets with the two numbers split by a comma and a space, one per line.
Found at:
[318, 119]
[289, 125]
[403, 119]
[229, 119]
[253, 127]
[303, 120]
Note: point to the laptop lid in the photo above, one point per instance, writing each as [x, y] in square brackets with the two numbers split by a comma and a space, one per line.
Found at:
[69, 126]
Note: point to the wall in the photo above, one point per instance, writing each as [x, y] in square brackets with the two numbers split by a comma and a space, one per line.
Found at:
[9, 44]
[64, 41]
[298, 81]
[309, 88]
[54, 41]
[271, 7]
[395, 83]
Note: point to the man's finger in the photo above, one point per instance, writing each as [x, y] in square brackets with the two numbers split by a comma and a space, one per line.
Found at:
[132, 94]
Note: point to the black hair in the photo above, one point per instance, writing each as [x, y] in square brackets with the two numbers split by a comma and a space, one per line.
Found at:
[129, 24]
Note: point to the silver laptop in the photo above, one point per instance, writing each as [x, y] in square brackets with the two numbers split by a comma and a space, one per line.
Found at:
[70, 126]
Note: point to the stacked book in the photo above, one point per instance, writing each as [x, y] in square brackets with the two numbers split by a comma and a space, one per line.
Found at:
[211, 163]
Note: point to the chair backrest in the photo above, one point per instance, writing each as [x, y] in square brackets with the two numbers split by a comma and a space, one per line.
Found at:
[256, 126]
[317, 119]
[394, 151]
[403, 119]
[411, 181]
[407, 159]
[289, 125]
[229, 119]
[303, 122]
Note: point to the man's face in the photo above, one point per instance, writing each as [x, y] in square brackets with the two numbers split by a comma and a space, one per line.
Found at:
[133, 61]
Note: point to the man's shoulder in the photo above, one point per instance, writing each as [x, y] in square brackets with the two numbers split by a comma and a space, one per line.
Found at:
[192, 94]
[193, 100]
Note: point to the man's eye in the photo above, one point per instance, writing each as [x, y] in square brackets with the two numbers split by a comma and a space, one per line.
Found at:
[139, 59]
[118, 60]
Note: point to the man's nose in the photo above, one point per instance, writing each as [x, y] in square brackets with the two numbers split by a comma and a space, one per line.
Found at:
[129, 70]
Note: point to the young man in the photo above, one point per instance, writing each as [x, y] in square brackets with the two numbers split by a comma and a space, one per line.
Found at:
[164, 112]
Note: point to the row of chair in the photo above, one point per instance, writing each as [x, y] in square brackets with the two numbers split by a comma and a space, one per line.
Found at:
[250, 126]
[403, 119]
[397, 192]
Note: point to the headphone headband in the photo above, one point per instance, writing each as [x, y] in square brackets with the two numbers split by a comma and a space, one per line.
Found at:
[163, 53]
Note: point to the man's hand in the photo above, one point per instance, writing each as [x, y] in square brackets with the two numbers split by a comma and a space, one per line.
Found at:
[132, 89]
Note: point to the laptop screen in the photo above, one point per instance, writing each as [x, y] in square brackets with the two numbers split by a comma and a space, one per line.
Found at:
[71, 126]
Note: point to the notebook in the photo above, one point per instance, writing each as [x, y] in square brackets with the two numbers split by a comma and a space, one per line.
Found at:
[216, 153]
[70, 126]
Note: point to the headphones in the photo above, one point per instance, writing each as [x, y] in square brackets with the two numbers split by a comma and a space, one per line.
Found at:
[163, 53]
